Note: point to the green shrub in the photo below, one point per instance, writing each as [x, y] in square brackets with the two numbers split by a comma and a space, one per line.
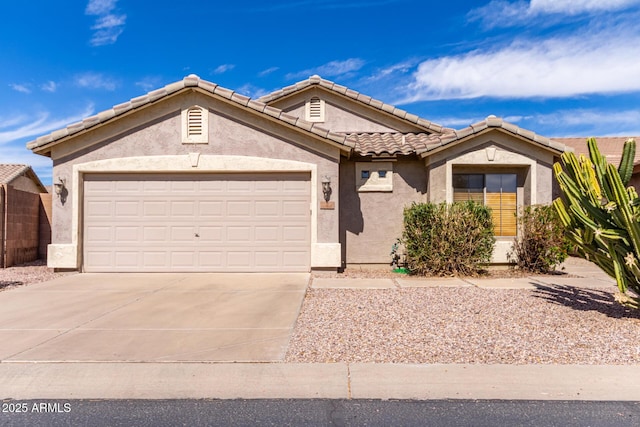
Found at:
[448, 239]
[541, 244]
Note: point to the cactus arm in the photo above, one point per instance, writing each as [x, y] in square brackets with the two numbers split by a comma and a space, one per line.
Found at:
[625, 169]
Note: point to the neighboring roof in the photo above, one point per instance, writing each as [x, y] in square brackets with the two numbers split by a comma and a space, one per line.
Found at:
[191, 81]
[610, 146]
[316, 80]
[9, 172]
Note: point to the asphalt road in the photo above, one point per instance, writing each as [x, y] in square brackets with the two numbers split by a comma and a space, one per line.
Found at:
[141, 413]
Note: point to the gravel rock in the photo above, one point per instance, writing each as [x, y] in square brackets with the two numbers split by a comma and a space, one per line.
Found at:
[26, 274]
[549, 325]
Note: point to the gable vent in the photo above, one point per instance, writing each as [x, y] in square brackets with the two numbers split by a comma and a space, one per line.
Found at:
[315, 110]
[195, 125]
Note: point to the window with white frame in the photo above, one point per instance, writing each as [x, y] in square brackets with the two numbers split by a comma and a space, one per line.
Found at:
[195, 125]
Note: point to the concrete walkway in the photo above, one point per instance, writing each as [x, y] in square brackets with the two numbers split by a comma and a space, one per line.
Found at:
[577, 273]
[56, 371]
[314, 381]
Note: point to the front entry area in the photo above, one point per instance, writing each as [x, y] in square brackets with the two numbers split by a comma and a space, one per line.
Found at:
[180, 222]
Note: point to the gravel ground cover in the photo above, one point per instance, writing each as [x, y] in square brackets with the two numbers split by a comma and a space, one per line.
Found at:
[26, 274]
[549, 325]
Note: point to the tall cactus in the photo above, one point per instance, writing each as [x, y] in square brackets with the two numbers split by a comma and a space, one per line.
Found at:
[601, 214]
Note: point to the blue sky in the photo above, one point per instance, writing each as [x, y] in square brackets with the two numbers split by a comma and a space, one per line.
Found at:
[559, 68]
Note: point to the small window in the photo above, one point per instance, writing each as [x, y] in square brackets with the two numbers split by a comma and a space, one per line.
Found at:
[314, 110]
[195, 128]
[376, 176]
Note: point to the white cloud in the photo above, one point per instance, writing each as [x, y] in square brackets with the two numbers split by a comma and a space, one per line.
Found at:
[108, 26]
[22, 88]
[331, 69]
[100, 7]
[623, 119]
[601, 62]
[252, 91]
[25, 126]
[95, 81]
[268, 71]
[498, 13]
[149, 83]
[223, 68]
[49, 86]
[573, 7]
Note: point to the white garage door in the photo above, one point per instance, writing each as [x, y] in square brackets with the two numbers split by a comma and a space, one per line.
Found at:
[203, 222]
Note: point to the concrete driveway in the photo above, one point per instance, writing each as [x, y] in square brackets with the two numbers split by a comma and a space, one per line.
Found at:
[151, 317]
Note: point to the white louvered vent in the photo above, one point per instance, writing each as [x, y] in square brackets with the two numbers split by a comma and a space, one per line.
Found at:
[315, 110]
[194, 118]
[195, 125]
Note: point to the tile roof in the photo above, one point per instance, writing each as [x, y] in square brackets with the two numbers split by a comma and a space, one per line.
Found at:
[191, 81]
[378, 143]
[9, 172]
[423, 143]
[316, 80]
[610, 146]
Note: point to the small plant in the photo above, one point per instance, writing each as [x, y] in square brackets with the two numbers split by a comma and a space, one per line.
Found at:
[448, 239]
[541, 244]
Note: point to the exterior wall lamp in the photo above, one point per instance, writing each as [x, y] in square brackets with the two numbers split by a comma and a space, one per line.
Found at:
[326, 191]
[60, 188]
[326, 188]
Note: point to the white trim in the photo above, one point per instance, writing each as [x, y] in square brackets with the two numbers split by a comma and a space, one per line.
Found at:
[69, 256]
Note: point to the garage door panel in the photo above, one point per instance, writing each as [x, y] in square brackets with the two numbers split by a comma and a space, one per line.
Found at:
[268, 208]
[99, 234]
[239, 208]
[270, 259]
[134, 187]
[197, 222]
[211, 209]
[182, 208]
[267, 234]
[154, 260]
[155, 234]
[127, 234]
[182, 234]
[236, 259]
[126, 259]
[155, 208]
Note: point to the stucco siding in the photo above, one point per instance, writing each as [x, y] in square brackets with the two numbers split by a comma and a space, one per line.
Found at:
[156, 131]
[345, 115]
[370, 222]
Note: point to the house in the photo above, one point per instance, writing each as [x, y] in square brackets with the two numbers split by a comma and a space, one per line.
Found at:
[196, 177]
[611, 147]
[25, 211]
